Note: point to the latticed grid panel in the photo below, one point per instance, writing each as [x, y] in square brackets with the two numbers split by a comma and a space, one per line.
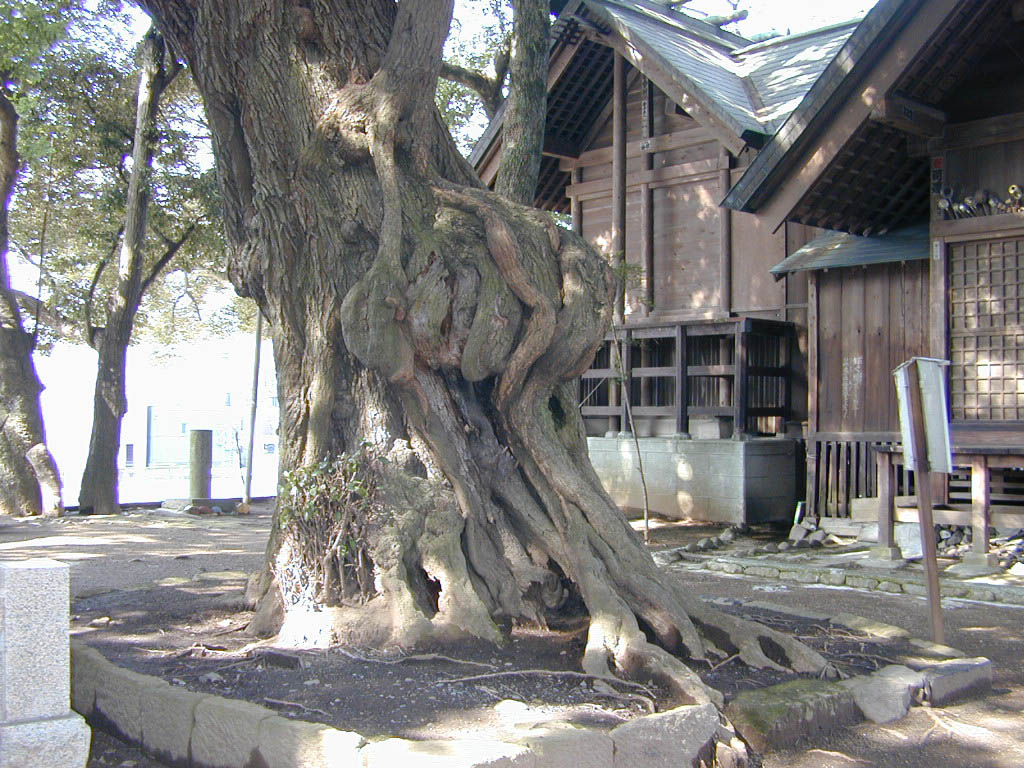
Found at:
[986, 293]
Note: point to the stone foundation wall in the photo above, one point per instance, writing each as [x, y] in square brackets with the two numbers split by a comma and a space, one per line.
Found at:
[727, 481]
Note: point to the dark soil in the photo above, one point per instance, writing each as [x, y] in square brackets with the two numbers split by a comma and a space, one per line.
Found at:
[187, 636]
[190, 635]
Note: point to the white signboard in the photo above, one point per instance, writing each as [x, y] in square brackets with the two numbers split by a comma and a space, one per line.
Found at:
[931, 374]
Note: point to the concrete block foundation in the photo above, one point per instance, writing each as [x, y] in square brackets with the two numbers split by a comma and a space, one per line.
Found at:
[726, 481]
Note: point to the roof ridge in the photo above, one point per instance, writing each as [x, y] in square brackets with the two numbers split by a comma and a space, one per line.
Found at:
[692, 24]
[771, 42]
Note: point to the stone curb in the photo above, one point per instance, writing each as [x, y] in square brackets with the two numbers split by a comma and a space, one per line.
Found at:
[860, 578]
[196, 730]
[783, 714]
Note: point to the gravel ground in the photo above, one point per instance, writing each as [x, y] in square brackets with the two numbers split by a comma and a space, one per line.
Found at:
[139, 548]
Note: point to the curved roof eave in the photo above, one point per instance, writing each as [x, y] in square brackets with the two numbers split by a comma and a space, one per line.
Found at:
[782, 152]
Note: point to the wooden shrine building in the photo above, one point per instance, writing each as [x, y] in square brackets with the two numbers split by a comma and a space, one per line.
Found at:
[910, 148]
[652, 117]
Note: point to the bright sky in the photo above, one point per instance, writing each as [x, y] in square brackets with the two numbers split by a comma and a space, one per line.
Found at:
[784, 16]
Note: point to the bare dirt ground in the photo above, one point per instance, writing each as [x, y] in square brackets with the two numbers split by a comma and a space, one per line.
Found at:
[115, 562]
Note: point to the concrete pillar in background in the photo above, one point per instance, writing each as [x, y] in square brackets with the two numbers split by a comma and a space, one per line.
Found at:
[200, 457]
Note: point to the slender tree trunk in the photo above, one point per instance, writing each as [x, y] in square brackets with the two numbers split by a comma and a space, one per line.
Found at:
[98, 494]
[443, 324]
[29, 482]
[526, 109]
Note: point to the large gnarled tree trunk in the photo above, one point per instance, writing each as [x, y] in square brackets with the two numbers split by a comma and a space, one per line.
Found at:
[441, 322]
[29, 483]
[98, 494]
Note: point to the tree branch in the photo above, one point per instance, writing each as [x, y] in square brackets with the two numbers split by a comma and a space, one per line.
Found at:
[169, 254]
[487, 90]
[90, 329]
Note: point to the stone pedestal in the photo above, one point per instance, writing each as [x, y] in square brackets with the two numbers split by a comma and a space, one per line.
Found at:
[37, 726]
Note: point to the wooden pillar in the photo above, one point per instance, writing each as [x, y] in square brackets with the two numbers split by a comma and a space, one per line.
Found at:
[618, 238]
[725, 245]
[740, 394]
[980, 511]
[575, 210]
[682, 389]
[887, 548]
[627, 368]
[647, 202]
[812, 393]
[938, 331]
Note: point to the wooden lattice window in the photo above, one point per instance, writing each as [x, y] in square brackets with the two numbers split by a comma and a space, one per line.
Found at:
[986, 292]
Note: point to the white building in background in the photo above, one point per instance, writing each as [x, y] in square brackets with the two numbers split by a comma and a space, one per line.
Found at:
[171, 391]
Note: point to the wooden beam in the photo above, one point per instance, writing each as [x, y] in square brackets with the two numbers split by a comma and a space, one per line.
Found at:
[977, 133]
[560, 63]
[667, 141]
[696, 169]
[909, 116]
[555, 146]
[650, 63]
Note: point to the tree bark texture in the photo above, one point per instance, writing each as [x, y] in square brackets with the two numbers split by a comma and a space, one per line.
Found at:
[440, 322]
[526, 108]
[29, 482]
[98, 494]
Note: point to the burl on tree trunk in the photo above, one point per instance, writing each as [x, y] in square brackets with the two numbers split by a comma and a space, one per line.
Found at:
[443, 325]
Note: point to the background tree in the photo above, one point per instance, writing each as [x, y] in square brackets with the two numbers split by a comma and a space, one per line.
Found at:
[101, 222]
[435, 328]
[29, 481]
[157, 69]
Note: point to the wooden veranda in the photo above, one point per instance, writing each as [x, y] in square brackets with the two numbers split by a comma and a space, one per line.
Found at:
[734, 369]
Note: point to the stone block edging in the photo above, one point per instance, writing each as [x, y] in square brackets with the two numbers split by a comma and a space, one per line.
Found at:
[196, 730]
[785, 713]
[884, 581]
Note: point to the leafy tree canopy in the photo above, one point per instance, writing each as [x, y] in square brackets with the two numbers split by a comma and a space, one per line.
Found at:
[77, 104]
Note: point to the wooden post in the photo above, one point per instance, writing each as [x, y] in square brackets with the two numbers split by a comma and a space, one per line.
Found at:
[247, 492]
[574, 203]
[812, 394]
[647, 202]
[682, 389]
[618, 239]
[924, 503]
[725, 246]
[980, 514]
[627, 367]
[740, 396]
[886, 549]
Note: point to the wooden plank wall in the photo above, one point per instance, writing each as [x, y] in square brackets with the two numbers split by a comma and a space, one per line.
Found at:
[992, 167]
[870, 319]
[687, 220]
